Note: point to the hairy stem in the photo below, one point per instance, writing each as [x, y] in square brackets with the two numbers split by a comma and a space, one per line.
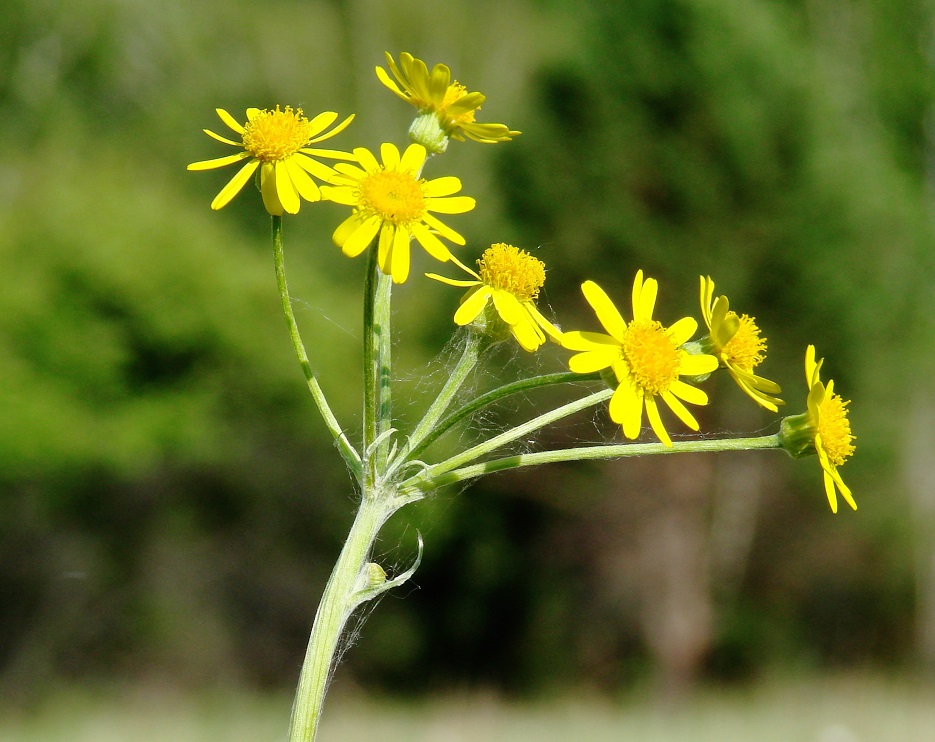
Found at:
[340, 598]
[585, 453]
[497, 441]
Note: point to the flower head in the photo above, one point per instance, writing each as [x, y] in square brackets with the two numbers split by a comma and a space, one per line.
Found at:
[736, 342]
[277, 142]
[647, 359]
[391, 199]
[446, 108]
[824, 429]
[510, 278]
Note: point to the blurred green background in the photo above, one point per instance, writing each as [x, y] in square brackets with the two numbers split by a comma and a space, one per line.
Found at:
[170, 505]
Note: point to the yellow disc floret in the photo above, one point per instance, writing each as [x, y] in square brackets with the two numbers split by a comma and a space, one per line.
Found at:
[396, 197]
[275, 135]
[746, 349]
[512, 270]
[835, 429]
[653, 358]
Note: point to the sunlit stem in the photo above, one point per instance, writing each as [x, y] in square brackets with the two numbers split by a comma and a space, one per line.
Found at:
[482, 449]
[495, 395]
[340, 599]
[590, 453]
[350, 456]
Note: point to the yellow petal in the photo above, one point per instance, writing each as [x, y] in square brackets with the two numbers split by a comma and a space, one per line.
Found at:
[285, 189]
[413, 159]
[225, 140]
[509, 309]
[605, 310]
[318, 169]
[229, 120]
[443, 229]
[626, 409]
[472, 305]
[687, 392]
[681, 331]
[652, 412]
[450, 204]
[366, 159]
[696, 365]
[399, 256]
[385, 79]
[336, 130]
[680, 410]
[387, 234]
[390, 156]
[433, 246]
[442, 186]
[528, 335]
[647, 300]
[356, 234]
[439, 81]
[830, 492]
[303, 184]
[578, 340]
[219, 162]
[340, 195]
[451, 281]
[234, 185]
[590, 361]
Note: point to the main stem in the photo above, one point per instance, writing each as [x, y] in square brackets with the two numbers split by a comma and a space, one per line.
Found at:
[337, 604]
[349, 584]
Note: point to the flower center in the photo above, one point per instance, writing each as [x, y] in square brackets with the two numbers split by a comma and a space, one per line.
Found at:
[835, 429]
[653, 358]
[454, 93]
[396, 197]
[746, 349]
[275, 135]
[513, 270]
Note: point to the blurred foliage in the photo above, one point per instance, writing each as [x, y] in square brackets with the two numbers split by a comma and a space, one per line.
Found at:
[170, 505]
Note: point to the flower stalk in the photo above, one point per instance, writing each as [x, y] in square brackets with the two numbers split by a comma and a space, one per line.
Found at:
[347, 451]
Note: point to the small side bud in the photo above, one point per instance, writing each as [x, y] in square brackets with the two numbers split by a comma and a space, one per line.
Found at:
[372, 575]
[427, 131]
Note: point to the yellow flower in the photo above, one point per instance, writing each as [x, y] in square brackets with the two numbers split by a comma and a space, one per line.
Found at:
[277, 142]
[392, 200]
[647, 359]
[736, 342]
[446, 108]
[511, 279]
[824, 430]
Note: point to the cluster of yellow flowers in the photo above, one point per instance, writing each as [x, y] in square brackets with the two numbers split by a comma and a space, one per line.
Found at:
[391, 201]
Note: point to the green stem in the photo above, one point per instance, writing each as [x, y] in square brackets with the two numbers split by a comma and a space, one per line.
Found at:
[350, 456]
[585, 453]
[494, 395]
[342, 595]
[427, 427]
[378, 410]
[519, 431]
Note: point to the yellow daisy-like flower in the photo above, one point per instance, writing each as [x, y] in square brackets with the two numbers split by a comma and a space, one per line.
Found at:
[511, 279]
[647, 359]
[392, 200]
[736, 341]
[824, 430]
[447, 108]
[278, 143]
